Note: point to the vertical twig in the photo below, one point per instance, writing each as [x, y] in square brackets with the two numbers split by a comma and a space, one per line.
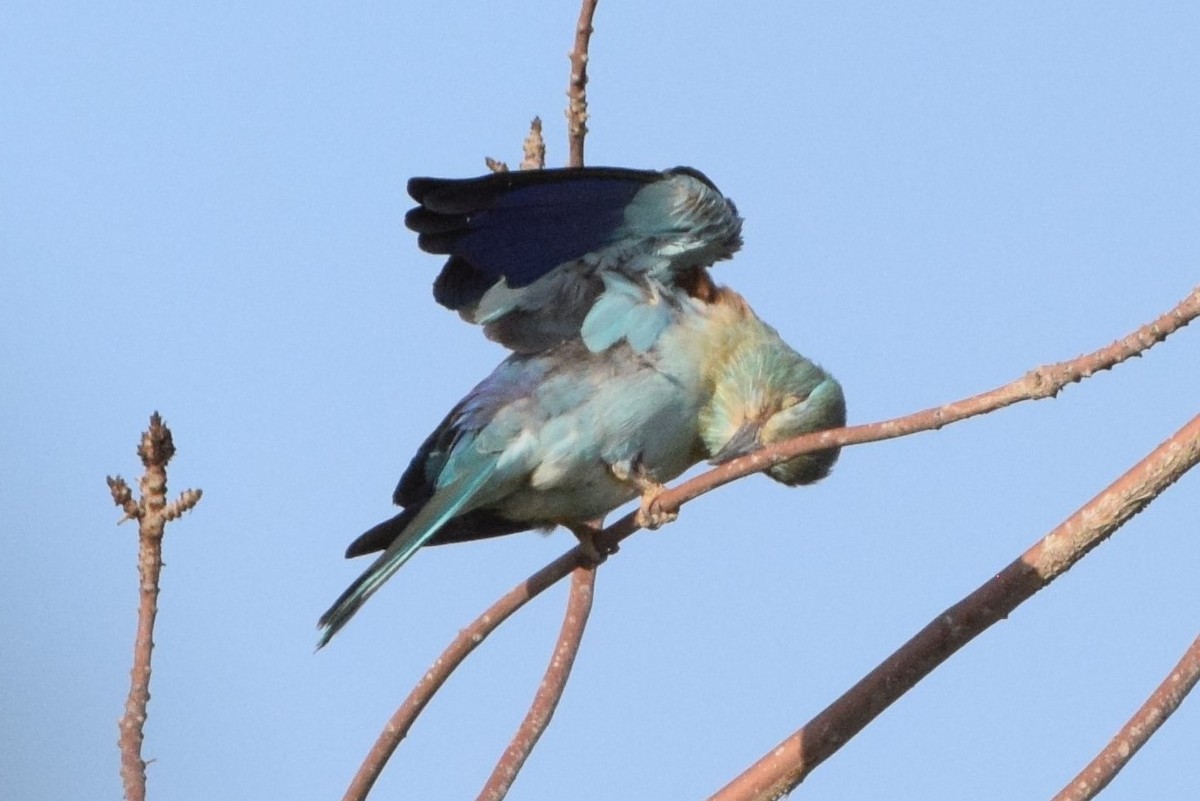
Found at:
[152, 513]
[577, 114]
[579, 606]
[1134, 734]
[785, 766]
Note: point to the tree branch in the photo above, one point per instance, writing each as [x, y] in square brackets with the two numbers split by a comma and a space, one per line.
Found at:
[1042, 382]
[152, 513]
[1134, 734]
[785, 766]
[577, 114]
[467, 640]
[579, 606]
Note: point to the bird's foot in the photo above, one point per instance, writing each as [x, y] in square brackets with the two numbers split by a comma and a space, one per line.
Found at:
[650, 515]
[587, 534]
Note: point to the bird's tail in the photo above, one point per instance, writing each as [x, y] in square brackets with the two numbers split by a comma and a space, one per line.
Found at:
[444, 505]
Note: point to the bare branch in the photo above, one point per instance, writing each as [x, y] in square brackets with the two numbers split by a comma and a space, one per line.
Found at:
[785, 766]
[152, 513]
[579, 606]
[1140, 728]
[534, 151]
[467, 640]
[577, 114]
[186, 501]
[123, 497]
[1042, 382]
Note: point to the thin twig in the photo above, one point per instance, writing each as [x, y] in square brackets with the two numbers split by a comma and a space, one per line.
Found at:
[1134, 734]
[398, 726]
[577, 114]
[579, 606]
[467, 640]
[152, 513]
[785, 766]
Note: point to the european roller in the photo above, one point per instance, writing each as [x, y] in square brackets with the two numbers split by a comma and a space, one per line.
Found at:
[598, 254]
[567, 433]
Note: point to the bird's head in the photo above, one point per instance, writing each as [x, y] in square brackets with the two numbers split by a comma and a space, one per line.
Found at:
[767, 393]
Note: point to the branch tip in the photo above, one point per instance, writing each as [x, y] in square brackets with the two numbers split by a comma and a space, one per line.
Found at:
[156, 447]
[534, 157]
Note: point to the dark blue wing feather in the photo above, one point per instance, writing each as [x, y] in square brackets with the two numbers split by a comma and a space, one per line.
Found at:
[528, 249]
[477, 524]
[517, 226]
[532, 230]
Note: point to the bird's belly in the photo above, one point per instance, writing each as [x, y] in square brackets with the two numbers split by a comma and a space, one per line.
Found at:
[653, 429]
[591, 494]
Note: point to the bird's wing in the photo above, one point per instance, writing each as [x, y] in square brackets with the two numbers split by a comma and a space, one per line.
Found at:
[534, 254]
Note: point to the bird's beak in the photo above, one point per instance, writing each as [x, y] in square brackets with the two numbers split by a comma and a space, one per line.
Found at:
[744, 440]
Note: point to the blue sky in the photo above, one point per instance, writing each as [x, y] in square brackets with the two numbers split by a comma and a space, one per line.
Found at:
[202, 214]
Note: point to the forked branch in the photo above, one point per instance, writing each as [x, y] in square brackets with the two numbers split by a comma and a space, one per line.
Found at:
[579, 606]
[468, 639]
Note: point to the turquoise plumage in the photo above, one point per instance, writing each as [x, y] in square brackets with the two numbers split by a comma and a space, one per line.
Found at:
[629, 365]
[567, 434]
[764, 392]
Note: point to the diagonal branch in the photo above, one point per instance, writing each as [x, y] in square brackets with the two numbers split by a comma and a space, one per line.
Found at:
[785, 766]
[579, 606]
[1042, 382]
[1140, 728]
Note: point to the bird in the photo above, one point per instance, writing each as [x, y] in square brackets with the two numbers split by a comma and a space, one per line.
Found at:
[600, 254]
[566, 434]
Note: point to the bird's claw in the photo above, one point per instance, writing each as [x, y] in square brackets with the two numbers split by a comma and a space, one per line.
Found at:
[650, 515]
[591, 549]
